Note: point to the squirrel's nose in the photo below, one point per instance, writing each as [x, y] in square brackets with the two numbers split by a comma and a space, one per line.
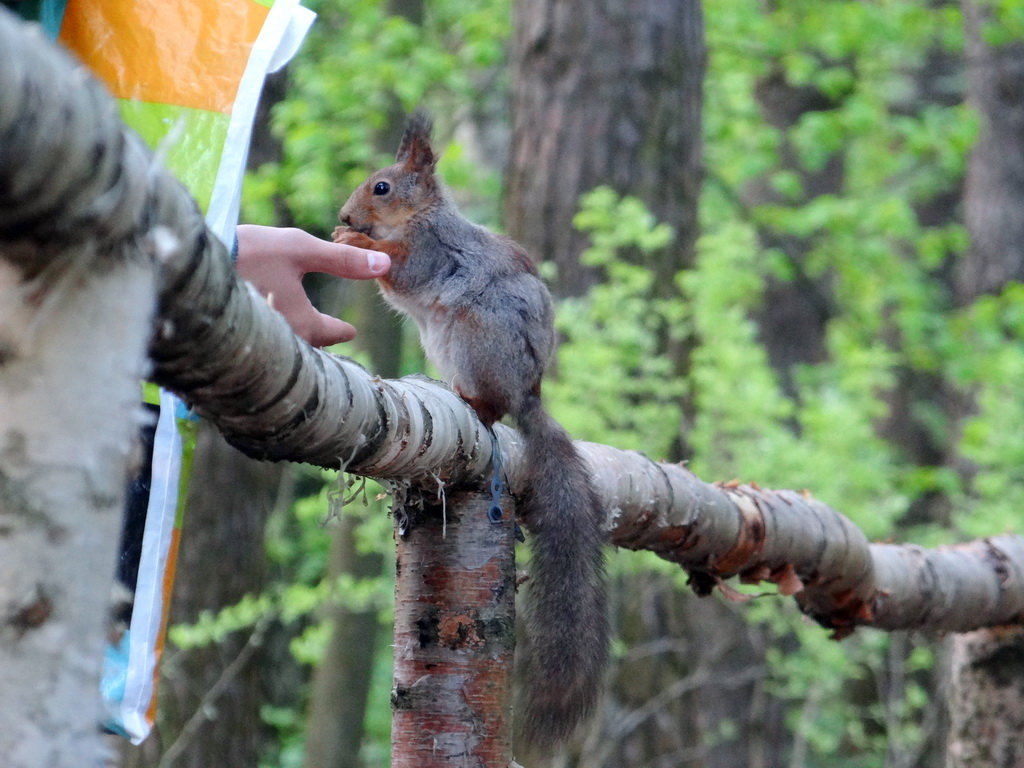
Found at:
[345, 219]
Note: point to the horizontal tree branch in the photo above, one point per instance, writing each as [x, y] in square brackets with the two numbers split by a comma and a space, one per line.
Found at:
[69, 170]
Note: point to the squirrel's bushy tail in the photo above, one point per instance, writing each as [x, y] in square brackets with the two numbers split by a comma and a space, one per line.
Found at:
[566, 607]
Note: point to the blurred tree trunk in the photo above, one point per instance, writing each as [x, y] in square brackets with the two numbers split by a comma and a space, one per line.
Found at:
[986, 693]
[794, 313]
[73, 346]
[341, 683]
[604, 93]
[994, 190]
[986, 698]
[609, 93]
[920, 395]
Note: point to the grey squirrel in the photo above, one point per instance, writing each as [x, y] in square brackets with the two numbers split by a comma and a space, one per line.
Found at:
[485, 321]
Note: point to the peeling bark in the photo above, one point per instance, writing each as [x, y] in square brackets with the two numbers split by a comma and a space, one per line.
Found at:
[811, 551]
[454, 635]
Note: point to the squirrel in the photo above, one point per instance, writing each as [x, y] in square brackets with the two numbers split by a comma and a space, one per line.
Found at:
[486, 321]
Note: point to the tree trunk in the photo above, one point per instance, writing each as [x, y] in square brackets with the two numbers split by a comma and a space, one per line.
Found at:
[341, 682]
[986, 700]
[994, 189]
[794, 313]
[75, 306]
[609, 93]
[454, 634]
[72, 353]
[604, 93]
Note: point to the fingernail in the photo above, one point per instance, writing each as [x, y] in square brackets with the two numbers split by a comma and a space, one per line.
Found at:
[377, 262]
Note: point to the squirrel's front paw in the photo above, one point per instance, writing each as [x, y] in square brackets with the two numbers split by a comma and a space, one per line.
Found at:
[349, 236]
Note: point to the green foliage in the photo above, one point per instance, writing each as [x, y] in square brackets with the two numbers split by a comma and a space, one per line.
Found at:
[1004, 24]
[361, 69]
[883, 152]
[611, 337]
[886, 153]
[212, 627]
[864, 241]
[866, 244]
[987, 360]
[297, 542]
[873, 700]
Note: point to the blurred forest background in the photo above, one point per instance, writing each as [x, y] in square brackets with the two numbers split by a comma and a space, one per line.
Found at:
[784, 235]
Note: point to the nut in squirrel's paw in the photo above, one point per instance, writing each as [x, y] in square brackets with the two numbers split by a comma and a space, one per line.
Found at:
[348, 236]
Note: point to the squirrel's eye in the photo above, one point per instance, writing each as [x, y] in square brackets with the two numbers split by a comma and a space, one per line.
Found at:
[381, 188]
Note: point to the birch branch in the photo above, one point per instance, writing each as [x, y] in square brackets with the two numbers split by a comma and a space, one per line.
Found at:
[235, 360]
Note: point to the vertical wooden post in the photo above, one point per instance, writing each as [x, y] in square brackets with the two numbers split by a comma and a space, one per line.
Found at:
[454, 635]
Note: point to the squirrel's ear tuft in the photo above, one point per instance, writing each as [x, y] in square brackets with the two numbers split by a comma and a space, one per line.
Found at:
[415, 150]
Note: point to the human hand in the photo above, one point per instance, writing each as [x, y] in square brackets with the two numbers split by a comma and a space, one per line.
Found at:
[274, 260]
